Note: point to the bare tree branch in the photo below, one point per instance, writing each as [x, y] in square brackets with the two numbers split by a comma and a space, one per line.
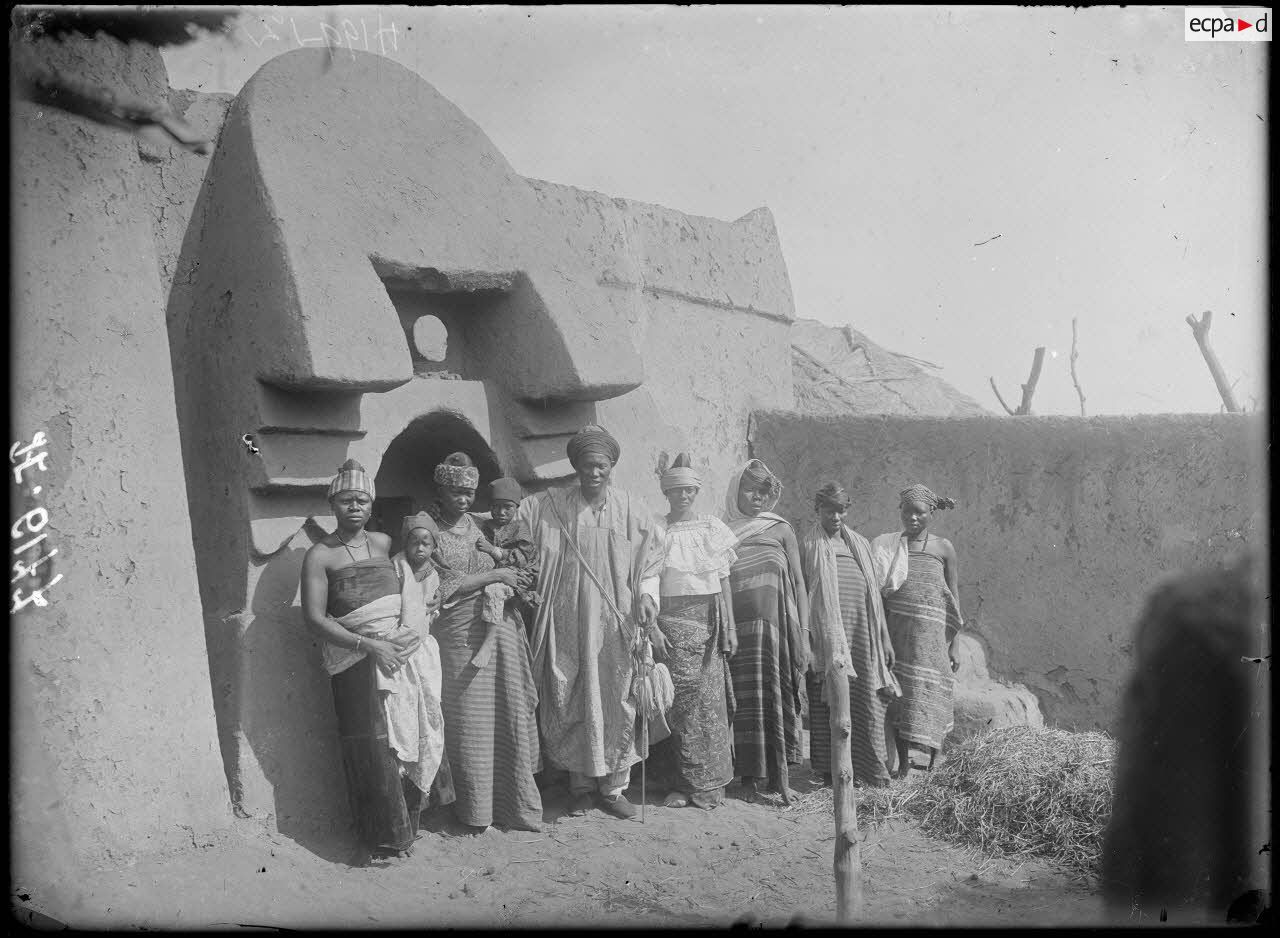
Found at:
[1074, 355]
[1200, 329]
[1007, 409]
[1029, 388]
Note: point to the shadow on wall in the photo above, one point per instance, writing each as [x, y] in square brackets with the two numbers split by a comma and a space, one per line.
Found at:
[287, 710]
[289, 716]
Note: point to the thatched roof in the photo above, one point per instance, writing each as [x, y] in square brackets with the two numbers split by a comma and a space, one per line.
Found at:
[838, 370]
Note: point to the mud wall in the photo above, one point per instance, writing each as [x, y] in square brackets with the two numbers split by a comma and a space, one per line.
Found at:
[711, 314]
[291, 319]
[1063, 524]
[706, 299]
[113, 740]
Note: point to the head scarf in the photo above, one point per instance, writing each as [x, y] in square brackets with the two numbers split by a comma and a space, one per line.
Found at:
[755, 473]
[351, 478]
[505, 490]
[420, 520]
[831, 495]
[680, 474]
[455, 472]
[592, 439]
[921, 493]
[737, 519]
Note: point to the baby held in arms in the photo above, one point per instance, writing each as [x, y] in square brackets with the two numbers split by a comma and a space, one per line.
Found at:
[501, 543]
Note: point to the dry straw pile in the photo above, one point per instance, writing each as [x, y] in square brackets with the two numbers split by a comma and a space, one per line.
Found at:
[1009, 792]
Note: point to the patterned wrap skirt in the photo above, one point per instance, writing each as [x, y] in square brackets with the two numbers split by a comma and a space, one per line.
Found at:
[698, 756]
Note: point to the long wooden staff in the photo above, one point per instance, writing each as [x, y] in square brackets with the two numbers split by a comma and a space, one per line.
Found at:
[847, 862]
[847, 859]
[644, 730]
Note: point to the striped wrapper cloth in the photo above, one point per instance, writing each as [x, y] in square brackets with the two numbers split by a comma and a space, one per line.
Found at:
[922, 615]
[768, 684]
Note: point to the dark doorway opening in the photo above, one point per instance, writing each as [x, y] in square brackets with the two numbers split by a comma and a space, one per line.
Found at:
[404, 481]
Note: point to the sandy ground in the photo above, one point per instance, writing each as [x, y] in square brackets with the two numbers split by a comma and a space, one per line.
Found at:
[746, 861]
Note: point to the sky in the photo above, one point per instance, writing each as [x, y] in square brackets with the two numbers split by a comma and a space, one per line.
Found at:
[958, 183]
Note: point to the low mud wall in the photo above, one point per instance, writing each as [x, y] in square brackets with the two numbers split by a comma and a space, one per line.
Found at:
[1062, 528]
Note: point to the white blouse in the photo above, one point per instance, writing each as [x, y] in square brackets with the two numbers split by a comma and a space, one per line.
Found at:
[697, 556]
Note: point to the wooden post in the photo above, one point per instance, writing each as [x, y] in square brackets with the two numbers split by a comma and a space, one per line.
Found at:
[848, 851]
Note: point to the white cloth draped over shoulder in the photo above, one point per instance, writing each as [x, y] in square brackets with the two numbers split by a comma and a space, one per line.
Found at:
[411, 694]
[420, 606]
[827, 629]
[594, 566]
[889, 554]
[697, 555]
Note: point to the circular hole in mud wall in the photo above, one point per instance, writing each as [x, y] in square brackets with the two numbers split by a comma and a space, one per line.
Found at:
[431, 338]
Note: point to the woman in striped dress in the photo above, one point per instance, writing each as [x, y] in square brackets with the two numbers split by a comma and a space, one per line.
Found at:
[923, 609]
[488, 695]
[771, 611]
[847, 622]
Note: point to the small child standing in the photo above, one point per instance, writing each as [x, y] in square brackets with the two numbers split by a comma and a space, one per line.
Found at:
[500, 542]
[419, 605]
[415, 563]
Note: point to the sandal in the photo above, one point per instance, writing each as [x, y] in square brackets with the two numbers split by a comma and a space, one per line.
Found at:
[675, 799]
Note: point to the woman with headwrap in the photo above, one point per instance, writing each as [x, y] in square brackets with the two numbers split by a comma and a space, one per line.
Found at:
[771, 610]
[847, 622]
[488, 695]
[382, 675]
[694, 636]
[918, 574]
[599, 555]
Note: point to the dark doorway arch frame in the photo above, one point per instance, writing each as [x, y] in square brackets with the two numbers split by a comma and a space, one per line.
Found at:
[404, 480]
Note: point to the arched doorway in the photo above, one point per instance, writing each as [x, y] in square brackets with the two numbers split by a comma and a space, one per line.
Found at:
[404, 481]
